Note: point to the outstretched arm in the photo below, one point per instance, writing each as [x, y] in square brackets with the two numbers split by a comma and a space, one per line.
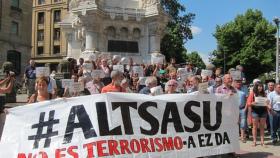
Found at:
[5, 80]
[8, 89]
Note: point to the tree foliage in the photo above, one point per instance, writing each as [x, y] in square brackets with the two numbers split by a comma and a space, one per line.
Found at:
[195, 58]
[178, 30]
[248, 40]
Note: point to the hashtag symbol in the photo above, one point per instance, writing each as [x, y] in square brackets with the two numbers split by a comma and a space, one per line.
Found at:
[39, 126]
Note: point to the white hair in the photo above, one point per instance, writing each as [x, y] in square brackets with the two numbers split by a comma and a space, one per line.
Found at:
[115, 74]
[150, 80]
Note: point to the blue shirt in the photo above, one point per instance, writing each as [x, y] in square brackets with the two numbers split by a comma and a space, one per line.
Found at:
[244, 89]
[242, 99]
[30, 72]
[145, 90]
[274, 100]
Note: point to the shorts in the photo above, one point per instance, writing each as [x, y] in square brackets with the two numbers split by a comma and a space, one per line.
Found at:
[259, 115]
[243, 118]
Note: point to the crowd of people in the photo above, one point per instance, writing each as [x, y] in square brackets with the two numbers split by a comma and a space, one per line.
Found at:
[157, 79]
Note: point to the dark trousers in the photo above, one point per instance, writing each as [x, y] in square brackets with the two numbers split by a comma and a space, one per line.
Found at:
[274, 120]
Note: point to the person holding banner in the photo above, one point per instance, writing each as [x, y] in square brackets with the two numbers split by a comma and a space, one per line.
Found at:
[257, 103]
[218, 82]
[115, 85]
[95, 86]
[226, 87]
[42, 93]
[157, 70]
[218, 72]
[190, 68]
[80, 67]
[193, 85]
[125, 85]
[68, 92]
[171, 87]
[105, 67]
[150, 82]
[242, 109]
[172, 66]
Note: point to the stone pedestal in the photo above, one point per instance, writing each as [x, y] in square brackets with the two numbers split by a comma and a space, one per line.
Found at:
[96, 25]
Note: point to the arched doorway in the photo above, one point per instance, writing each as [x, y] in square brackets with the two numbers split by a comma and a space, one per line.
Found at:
[15, 58]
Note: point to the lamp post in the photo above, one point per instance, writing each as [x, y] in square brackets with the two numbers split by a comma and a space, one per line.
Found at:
[277, 21]
[224, 62]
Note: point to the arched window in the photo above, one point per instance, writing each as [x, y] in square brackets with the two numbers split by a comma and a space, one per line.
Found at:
[136, 33]
[111, 31]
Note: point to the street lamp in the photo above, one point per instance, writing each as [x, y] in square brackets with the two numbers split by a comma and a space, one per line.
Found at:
[277, 21]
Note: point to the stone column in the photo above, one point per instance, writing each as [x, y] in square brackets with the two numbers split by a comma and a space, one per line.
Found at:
[154, 43]
[154, 38]
[91, 40]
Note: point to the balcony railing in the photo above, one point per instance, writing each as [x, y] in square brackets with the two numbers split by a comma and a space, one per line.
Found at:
[120, 11]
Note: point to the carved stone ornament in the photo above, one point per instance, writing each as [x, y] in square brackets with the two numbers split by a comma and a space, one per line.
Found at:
[147, 3]
[76, 3]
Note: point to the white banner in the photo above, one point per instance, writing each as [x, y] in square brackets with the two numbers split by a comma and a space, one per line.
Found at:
[42, 71]
[157, 60]
[97, 74]
[206, 73]
[123, 125]
[67, 83]
[118, 68]
[139, 70]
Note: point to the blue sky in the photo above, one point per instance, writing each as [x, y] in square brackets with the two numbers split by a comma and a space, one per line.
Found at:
[210, 13]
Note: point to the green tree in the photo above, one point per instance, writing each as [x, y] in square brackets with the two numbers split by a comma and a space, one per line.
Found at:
[248, 40]
[196, 59]
[178, 30]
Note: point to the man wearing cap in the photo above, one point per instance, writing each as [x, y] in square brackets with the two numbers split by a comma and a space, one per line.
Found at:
[242, 108]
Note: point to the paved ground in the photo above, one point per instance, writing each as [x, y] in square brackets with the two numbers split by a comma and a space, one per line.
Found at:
[246, 150]
[270, 151]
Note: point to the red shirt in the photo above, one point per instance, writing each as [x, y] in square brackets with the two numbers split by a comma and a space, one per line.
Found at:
[112, 88]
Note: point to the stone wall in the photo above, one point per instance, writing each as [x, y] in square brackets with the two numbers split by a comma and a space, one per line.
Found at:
[12, 42]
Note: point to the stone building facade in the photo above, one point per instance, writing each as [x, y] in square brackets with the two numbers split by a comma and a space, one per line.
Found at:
[125, 27]
[48, 42]
[15, 32]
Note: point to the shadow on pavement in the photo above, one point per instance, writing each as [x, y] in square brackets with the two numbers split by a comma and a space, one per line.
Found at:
[270, 143]
[256, 155]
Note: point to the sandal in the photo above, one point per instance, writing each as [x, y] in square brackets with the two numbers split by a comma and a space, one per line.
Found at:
[254, 144]
[243, 140]
[263, 145]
